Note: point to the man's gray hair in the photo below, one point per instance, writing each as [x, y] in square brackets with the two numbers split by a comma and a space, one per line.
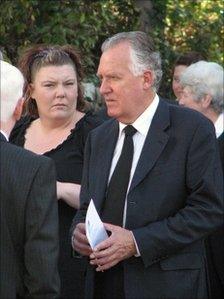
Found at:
[204, 78]
[143, 55]
[11, 90]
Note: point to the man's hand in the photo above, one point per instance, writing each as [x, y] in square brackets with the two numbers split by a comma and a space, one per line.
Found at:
[79, 240]
[119, 246]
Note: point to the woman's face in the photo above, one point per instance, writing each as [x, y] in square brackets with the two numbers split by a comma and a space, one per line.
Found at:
[55, 90]
[177, 88]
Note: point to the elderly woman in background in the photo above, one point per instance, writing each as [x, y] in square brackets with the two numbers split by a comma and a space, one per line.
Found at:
[56, 125]
[203, 91]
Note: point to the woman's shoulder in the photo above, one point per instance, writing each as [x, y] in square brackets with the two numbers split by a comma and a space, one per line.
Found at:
[88, 122]
[19, 130]
[92, 120]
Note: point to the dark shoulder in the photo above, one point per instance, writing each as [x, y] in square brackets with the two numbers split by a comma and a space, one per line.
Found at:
[19, 130]
[89, 122]
[187, 117]
[169, 101]
[94, 119]
[21, 157]
[106, 127]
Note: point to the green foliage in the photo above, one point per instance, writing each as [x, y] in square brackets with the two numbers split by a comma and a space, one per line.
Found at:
[193, 26]
[82, 23]
[177, 26]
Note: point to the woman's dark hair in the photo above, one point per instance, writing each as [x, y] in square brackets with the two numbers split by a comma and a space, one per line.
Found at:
[39, 56]
[188, 58]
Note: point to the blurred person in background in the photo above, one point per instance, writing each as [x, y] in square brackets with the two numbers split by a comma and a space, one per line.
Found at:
[29, 215]
[202, 84]
[56, 125]
[181, 63]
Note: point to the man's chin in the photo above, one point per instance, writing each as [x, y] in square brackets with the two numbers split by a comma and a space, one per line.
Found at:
[111, 113]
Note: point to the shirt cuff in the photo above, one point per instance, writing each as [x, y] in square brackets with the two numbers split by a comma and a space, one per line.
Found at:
[136, 246]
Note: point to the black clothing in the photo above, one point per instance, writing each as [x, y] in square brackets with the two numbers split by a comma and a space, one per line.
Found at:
[68, 158]
[215, 249]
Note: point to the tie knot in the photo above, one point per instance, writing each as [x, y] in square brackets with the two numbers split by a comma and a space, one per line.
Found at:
[129, 130]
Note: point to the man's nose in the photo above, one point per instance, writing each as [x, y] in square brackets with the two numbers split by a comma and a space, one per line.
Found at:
[104, 87]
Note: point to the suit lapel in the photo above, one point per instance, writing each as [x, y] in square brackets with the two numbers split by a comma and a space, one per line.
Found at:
[103, 163]
[155, 142]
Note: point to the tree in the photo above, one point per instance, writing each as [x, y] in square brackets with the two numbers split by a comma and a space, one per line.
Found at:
[177, 26]
[82, 23]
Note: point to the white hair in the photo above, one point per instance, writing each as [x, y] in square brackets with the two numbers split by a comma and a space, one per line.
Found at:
[204, 78]
[143, 55]
[11, 90]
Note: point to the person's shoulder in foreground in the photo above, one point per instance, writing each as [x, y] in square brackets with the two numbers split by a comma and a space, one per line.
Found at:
[29, 224]
[29, 219]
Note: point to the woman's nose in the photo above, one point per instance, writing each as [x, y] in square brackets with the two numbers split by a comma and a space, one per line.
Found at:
[60, 92]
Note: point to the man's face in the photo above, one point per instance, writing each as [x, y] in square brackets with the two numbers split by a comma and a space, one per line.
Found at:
[124, 93]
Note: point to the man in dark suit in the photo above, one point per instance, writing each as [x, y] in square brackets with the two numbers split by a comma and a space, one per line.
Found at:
[174, 191]
[29, 219]
[203, 91]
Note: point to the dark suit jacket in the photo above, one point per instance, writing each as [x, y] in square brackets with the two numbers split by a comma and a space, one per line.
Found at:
[215, 249]
[29, 225]
[174, 201]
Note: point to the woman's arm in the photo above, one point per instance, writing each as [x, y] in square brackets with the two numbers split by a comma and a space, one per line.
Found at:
[69, 192]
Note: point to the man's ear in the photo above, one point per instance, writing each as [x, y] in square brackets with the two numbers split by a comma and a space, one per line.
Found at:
[18, 110]
[206, 101]
[148, 79]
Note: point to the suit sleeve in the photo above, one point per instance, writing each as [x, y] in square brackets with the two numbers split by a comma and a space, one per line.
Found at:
[41, 238]
[84, 194]
[203, 210]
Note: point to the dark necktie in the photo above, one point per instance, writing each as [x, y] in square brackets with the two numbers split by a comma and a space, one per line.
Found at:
[116, 192]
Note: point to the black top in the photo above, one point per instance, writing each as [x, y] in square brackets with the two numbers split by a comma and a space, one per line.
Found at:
[68, 157]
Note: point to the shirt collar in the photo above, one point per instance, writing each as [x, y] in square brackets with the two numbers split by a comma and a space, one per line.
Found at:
[219, 125]
[142, 123]
[5, 135]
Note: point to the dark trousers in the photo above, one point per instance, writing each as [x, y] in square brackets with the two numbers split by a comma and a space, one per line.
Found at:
[110, 283]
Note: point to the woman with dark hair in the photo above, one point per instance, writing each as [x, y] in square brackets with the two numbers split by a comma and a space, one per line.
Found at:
[55, 125]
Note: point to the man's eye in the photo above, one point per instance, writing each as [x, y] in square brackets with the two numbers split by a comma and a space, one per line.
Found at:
[48, 85]
[70, 83]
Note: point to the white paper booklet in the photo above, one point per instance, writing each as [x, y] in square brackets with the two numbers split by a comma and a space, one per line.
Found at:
[95, 230]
